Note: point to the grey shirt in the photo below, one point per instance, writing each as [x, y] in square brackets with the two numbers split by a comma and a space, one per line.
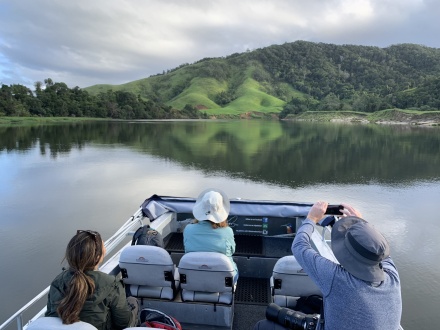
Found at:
[349, 302]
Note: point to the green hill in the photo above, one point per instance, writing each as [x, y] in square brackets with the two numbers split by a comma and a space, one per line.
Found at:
[317, 76]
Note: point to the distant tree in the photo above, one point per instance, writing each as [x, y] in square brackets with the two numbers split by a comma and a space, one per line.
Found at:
[7, 102]
[38, 85]
[367, 102]
[295, 106]
[48, 82]
[330, 103]
[190, 112]
[224, 97]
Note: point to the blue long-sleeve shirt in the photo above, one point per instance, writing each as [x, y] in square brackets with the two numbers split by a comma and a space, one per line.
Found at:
[349, 302]
[201, 237]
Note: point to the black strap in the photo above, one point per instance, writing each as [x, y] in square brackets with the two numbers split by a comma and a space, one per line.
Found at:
[362, 250]
[321, 319]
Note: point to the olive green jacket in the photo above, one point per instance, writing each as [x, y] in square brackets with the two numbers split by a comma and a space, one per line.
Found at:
[106, 308]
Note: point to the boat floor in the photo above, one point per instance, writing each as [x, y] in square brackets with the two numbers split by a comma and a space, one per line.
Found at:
[251, 299]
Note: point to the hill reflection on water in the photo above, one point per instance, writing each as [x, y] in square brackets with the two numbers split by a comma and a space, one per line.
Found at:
[287, 153]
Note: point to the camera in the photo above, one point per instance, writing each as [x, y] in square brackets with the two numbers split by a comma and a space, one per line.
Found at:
[334, 209]
[291, 319]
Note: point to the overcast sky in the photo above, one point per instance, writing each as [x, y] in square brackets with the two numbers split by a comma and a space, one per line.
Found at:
[88, 42]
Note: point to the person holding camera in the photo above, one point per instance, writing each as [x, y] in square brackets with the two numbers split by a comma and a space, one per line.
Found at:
[363, 290]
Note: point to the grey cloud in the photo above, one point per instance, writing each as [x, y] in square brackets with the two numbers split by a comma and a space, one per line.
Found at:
[88, 42]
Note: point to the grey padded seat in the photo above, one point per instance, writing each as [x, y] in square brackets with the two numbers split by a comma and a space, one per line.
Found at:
[55, 323]
[289, 282]
[206, 277]
[149, 272]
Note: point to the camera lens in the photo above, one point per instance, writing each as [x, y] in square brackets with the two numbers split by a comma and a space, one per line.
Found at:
[272, 312]
[286, 317]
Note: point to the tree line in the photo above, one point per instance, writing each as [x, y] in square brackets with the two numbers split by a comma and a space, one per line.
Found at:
[350, 77]
[55, 99]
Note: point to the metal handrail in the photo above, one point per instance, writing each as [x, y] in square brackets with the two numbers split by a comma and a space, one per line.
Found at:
[110, 244]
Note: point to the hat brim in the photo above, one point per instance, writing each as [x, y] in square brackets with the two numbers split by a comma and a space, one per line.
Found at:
[218, 217]
[355, 264]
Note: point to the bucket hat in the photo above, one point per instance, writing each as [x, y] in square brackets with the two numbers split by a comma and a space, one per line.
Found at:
[359, 248]
[213, 205]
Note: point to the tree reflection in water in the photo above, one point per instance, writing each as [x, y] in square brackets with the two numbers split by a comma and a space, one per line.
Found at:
[286, 153]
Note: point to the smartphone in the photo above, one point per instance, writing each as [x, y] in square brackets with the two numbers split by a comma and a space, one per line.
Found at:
[334, 209]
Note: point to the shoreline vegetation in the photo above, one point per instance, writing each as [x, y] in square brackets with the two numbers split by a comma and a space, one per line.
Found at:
[388, 117]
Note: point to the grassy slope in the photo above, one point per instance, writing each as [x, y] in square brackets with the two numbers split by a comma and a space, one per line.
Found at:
[95, 89]
[201, 92]
[251, 98]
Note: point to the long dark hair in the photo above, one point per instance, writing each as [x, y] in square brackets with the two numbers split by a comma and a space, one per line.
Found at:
[83, 253]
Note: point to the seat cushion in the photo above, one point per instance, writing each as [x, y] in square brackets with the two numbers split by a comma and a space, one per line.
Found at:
[206, 277]
[149, 272]
[146, 265]
[289, 279]
[206, 272]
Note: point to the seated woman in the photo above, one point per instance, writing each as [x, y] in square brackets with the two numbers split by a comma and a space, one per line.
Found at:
[210, 232]
[82, 293]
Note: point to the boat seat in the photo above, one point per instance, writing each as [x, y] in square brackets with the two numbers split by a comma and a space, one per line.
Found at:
[55, 323]
[149, 272]
[206, 277]
[289, 282]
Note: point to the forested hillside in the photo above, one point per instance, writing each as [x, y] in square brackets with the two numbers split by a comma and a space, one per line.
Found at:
[301, 76]
[280, 79]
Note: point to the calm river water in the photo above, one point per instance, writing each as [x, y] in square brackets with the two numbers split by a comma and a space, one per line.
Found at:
[57, 178]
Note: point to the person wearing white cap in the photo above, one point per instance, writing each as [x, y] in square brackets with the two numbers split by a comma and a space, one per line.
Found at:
[362, 291]
[211, 233]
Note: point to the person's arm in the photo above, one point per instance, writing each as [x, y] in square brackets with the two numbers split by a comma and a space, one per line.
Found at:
[49, 310]
[320, 269]
[120, 311]
[390, 268]
[186, 234]
[232, 241]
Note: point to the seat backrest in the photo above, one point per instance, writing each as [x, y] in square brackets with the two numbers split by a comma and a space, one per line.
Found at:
[207, 277]
[289, 282]
[55, 323]
[148, 271]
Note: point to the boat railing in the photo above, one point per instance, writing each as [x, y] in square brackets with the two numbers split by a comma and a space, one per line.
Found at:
[110, 244]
